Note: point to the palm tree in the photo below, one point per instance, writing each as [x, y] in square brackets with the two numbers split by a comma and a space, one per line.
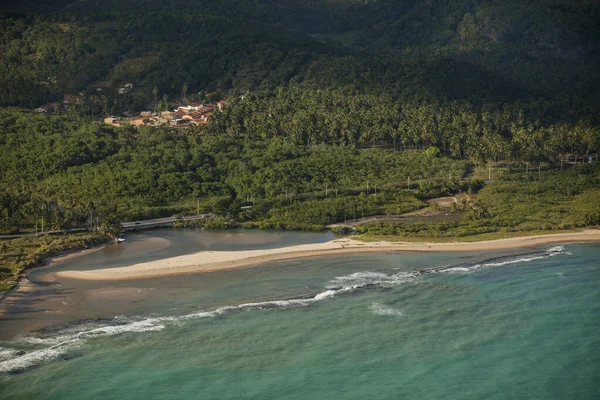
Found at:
[111, 227]
[184, 91]
[155, 94]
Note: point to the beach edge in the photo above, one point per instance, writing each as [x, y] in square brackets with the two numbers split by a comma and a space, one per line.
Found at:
[211, 261]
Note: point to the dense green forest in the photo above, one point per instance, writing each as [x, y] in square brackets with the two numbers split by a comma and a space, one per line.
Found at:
[484, 80]
[337, 110]
[326, 98]
[89, 168]
[485, 52]
[307, 116]
[69, 171]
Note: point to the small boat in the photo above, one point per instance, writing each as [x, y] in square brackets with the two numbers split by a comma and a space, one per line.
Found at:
[119, 240]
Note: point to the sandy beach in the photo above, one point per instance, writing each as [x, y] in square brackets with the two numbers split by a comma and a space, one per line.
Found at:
[208, 261]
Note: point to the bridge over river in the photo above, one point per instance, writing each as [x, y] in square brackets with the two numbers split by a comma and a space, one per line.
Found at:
[125, 226]
[158, 222]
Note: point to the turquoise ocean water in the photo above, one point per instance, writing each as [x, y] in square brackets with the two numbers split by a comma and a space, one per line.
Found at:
[378, 326]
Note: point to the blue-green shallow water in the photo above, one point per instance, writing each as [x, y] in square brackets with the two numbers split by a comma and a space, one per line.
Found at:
[520, 327]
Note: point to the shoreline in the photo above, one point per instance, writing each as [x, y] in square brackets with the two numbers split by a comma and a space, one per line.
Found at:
[210, 261]
[48, 262]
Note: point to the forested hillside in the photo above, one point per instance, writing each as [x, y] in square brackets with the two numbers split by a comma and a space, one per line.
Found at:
[485, 51]
[322, 95]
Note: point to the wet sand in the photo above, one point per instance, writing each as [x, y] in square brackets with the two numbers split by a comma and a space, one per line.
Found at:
[209, 261]
[56, 295]
[41, 299]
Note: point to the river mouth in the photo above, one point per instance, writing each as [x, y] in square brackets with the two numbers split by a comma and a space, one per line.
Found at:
[41, 300]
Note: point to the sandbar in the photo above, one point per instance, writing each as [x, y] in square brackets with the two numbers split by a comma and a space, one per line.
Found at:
[209, 261]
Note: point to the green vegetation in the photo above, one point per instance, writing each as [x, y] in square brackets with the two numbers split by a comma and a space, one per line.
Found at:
[456, 128]
[71, 172]
[337, 110]
[463, 239]
[517, 202]
[535, 61]
[28, 252]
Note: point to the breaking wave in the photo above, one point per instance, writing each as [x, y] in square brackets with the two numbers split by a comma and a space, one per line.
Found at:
[13, 360]
[56, 343]
[507, 260]
[368, 279]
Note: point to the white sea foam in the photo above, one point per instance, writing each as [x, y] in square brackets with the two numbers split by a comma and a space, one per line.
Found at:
[8, 354]
[326, 295]
[382, 309]
[462, 269]
[67, 339]
[263, 305]
[35, 357]
[551, 252]
[274, 304]
[363, 279]
[70, 337]
[203, 314]
[147, 325]
[556, 249]
[357, 279]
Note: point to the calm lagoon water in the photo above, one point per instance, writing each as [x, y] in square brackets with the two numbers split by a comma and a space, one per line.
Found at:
[380, 326]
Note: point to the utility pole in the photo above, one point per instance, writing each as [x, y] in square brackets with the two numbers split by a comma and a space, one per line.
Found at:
[490, 173]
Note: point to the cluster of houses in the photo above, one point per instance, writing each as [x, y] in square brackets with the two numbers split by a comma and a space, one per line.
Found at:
[191, 114]
[183, 115]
